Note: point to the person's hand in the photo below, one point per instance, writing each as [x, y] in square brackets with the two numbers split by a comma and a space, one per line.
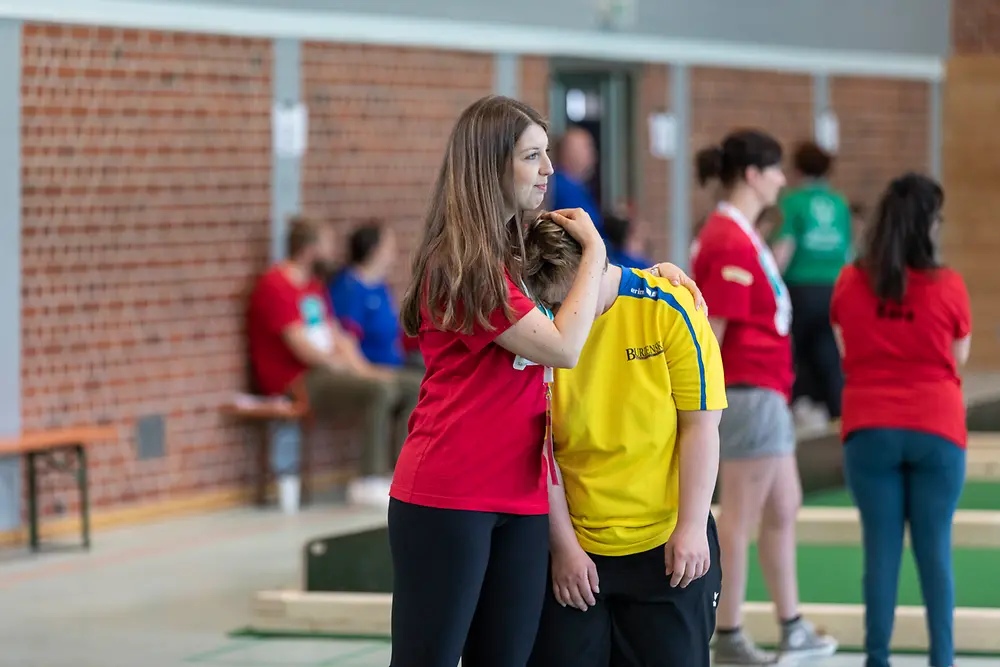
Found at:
[686, 555]
[677, 277]
[574, 578]
[577, 224]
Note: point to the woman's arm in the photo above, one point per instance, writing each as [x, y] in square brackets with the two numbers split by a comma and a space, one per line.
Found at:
[718, 325]
[784, 250]
[961, 348]
[838, 335]
[559, 342]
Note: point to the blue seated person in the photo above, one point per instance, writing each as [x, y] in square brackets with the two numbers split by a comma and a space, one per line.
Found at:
[576, 160]
[361, 297]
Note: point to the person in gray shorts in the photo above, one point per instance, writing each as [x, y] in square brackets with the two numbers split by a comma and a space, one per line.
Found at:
[757, 424]
[750, 313]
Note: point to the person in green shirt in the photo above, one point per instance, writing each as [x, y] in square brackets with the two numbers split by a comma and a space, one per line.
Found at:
[812, 246]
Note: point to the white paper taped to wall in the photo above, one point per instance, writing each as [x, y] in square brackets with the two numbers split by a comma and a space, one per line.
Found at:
[289, 130]
[662, 135]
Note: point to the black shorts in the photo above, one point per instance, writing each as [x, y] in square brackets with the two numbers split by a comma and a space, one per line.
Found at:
[639, 619]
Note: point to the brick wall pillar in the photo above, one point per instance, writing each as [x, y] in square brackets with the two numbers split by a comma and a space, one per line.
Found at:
[971, 140]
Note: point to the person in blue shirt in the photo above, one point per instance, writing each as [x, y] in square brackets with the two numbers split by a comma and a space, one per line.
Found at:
[361, 298]
[365, 309]
[576, 159]
[619, 238]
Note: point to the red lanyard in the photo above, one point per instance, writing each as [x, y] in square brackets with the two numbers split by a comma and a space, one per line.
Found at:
[550, 451]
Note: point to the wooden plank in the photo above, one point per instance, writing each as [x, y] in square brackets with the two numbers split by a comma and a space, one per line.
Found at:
[35, 441]
[842, 525]
[975, 629]
[370, 613]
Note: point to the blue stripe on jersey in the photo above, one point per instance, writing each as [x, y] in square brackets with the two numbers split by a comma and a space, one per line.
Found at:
[635, 286]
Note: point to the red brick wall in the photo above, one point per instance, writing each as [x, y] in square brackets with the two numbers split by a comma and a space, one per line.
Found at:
[884, 131]
[975, 26]
[535, 83]
[146, 178]
[652, 89]
[379, 119]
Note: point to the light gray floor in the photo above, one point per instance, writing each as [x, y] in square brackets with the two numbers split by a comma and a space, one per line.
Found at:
[166, 595]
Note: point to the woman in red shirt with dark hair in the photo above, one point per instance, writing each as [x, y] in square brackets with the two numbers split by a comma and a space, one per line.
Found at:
[902, 323]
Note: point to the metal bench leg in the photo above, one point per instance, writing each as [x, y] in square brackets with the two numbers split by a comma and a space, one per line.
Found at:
[84, 486]
[263, 462]
[32, 473]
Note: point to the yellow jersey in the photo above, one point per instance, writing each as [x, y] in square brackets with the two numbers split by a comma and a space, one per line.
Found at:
[614, 416]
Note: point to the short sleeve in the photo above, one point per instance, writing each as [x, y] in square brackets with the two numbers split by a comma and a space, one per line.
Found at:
[727, 282]
[961, 306]
[276, 305]
[481, 337]
[346, 306]
[692, 353]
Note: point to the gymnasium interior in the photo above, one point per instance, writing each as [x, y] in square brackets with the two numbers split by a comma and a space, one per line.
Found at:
[151, 154]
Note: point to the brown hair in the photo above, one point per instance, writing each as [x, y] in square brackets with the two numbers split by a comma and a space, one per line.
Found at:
[458, 269]
[552, 258]
[899, 236]
[811, 160]
[302, 233]
[739, 151]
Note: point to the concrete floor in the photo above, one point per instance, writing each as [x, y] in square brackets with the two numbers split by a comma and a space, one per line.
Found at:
[166, 595]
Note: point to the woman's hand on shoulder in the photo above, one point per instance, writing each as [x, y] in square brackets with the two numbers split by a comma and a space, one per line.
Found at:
[678, 278]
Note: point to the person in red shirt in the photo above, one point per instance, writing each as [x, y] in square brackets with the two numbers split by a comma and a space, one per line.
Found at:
[468, 524]
[294, 340]
[903, 323]
[750, 312]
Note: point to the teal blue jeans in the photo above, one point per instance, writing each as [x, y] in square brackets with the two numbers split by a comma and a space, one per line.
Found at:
[899, 477]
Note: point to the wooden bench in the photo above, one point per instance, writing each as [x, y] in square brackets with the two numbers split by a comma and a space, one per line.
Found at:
[48, 447]
[259, 411]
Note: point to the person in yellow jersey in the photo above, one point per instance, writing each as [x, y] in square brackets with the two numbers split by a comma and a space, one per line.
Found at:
[633, 454]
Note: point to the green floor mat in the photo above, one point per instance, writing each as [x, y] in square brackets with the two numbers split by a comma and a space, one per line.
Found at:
[833, 575]
[975, 496]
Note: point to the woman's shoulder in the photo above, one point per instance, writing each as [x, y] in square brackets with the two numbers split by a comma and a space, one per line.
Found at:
[944, 278]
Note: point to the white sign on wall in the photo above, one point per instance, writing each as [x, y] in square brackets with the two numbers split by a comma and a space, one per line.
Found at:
[289, 130]
[662, 135]
[828, 132]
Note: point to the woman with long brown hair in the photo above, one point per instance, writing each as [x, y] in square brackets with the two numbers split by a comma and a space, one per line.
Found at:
[467, 517]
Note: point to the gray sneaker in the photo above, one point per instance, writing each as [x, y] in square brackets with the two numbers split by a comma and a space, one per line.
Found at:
[801, 640]
[737, 648]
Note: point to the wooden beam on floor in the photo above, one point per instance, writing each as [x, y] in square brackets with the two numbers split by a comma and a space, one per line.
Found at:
[368, 614]
[975, 629]
[842, 525]
[360, 614]
[984, 440]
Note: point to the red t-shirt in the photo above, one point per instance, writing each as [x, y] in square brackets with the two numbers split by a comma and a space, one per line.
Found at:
[276, 303]
[476, 435]
[741, 284]
[899, 367]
